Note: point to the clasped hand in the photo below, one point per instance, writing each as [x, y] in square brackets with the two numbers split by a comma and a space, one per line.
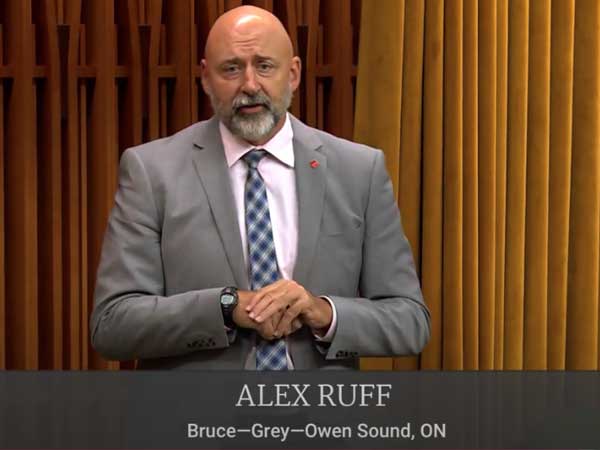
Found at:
[280, 309]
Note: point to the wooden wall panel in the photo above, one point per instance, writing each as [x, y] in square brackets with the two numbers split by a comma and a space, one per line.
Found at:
[71, 187]
[102, 133]
[20, 190]
[2, 219]
[82, 80]
[49, 187]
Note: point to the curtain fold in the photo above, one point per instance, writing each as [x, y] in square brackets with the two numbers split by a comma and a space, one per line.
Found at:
[431, 251]
[471, 248]
[582, 296]
[500, 199]
[486, 182]
[489, 115]
[561, 127]
[536, 212]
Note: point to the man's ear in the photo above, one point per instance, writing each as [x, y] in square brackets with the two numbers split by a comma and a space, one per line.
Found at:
[295, 72]
[204, 76]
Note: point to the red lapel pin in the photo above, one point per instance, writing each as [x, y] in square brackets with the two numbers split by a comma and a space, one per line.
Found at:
[314, 164]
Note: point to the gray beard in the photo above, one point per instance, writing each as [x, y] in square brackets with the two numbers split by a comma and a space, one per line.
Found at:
[252, 127]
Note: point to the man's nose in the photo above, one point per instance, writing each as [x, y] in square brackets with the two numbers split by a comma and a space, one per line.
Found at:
[250, 85]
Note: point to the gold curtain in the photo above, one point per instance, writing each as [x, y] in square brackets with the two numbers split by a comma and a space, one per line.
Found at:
[489, 115]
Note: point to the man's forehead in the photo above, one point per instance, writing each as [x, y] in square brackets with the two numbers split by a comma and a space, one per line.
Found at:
[246, 46]
[246, 34]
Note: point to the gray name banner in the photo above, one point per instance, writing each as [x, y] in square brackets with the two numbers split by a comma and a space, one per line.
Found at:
[148, 410]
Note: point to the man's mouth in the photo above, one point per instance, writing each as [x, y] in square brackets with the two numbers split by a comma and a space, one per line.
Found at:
[253, 108]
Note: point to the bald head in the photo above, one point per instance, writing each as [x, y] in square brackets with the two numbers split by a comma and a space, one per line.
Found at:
[244, 26]
[250, 72]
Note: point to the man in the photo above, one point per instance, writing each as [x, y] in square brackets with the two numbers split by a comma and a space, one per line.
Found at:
[251, 240]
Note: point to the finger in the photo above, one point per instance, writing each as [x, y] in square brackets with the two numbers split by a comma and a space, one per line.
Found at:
[294, 326]
[267, 330]
[275, 300]
[278, 305]
[274, 321]
[297, 309]
[289, 316]
[262, 304]
[258, 295]
[266, 335]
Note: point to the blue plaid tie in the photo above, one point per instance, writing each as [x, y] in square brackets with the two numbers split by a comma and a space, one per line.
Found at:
[270, 355]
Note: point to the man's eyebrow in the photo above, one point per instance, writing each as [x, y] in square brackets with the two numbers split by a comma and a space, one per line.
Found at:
[239, 61]
[230, 61]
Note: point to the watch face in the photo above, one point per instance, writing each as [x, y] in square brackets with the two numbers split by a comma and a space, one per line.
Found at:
[227, 299]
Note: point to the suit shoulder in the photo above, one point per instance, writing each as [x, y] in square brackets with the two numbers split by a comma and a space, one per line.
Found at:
[348, 156]
[349, 148]
[350, 165]
[179, 142]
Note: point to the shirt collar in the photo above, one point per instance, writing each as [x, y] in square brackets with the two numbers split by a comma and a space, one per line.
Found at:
[280, 146]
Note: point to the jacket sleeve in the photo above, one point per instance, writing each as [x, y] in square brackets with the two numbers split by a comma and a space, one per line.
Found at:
[132, 318]
[389, 318]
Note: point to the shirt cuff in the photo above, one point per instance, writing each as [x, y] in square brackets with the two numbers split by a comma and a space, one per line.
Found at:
[328, 337]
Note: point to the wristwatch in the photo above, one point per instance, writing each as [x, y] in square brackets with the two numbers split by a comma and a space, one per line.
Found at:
[229, 300]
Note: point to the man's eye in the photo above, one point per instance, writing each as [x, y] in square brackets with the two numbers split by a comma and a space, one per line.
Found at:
[264, 67]
[230, 69]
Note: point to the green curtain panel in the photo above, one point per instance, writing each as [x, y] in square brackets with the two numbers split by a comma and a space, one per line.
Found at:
[489, 115]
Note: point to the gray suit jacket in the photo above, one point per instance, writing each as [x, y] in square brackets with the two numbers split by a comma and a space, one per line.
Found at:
[172, 243]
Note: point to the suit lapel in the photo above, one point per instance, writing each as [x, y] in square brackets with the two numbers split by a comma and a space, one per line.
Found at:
[211, 166]
[311, 171]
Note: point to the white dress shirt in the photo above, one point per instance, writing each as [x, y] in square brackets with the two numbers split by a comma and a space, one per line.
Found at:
[277, 172]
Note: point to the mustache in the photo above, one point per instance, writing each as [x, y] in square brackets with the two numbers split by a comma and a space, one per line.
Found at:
[257, 99]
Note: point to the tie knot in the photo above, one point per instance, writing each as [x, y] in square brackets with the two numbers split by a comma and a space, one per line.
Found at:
[253, 157]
